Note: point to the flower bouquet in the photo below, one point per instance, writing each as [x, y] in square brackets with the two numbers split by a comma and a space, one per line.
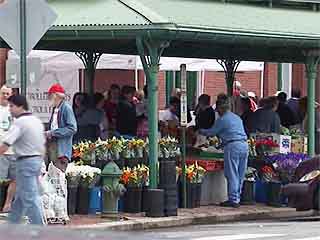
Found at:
[195, 173]
[265, 146]
[84, 153]
[73, 175]
[140, 146]
[102, 150]
[89, 176]
[115, 146]
[135, 177]
[168, 148]
[286, 164]
[128, 149]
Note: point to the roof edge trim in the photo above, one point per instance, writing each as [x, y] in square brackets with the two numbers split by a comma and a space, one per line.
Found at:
[144, 11]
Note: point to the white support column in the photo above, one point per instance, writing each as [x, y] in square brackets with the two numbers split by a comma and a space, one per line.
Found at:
[287, 78]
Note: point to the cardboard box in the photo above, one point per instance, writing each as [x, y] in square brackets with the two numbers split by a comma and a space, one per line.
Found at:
[299, 145]
[283, 141]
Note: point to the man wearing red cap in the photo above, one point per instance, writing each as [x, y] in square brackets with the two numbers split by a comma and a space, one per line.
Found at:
[62, 127]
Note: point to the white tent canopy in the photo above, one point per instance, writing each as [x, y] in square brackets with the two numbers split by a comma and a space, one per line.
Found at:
[66, 60]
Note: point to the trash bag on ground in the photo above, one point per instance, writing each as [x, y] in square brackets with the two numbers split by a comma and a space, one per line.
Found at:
[54, 195]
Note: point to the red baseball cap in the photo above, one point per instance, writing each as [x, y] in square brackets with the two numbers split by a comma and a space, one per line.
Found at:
[56, 88]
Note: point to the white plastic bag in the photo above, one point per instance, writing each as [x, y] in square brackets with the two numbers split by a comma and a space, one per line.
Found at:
[54, 194]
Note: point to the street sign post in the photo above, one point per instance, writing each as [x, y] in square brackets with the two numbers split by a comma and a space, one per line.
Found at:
[22, 25]
[184, 122]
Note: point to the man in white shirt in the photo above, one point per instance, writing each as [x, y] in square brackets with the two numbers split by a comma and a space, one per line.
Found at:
[7, 161]
[26, 137]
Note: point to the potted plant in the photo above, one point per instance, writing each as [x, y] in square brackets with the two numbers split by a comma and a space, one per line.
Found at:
[285, 166]
[134, 179]
[194, 175]
[89, 176]
[73, 180]
[248, 188]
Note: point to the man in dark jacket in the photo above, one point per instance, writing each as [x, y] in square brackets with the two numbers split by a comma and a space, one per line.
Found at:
[286, 115]
[293, 104]
[126, 114]
[265, 119]
[205, 115]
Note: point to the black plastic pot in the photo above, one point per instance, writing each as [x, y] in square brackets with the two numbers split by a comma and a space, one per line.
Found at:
[198, 195]
[248, 194]
[274, 198]
[3, 195]
[83, 200]
[72, 199]
[193, 195]
[155, 198]
[145, 200]
[167, 173]
[170, 200]
[132, 200]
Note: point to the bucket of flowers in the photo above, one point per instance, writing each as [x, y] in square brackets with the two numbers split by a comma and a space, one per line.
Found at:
[89, 176]
[134, 179]
[73, 181]
[194, 176]
[248, 188]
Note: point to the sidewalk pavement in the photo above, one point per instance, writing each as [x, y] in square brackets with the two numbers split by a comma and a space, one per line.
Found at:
[203, 215]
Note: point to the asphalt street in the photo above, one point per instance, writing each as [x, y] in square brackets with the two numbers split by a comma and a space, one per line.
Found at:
[275, 230]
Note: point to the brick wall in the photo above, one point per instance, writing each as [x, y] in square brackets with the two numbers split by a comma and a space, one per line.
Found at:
[214, 82]
[270, 79]
[298, 78]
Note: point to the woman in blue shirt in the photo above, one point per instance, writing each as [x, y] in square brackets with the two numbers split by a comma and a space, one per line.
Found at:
[229, 128]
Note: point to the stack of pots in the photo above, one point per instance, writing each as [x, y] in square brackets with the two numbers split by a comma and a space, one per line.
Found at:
[167, 182]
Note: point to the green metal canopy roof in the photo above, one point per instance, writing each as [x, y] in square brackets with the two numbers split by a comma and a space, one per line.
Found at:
[199, 28]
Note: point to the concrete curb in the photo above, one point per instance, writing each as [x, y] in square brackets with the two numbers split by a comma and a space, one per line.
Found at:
[210, 218]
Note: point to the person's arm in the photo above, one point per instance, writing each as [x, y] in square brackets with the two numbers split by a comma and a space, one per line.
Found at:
[70, 125]
[10, 138]
[3, 148]
[215, 130]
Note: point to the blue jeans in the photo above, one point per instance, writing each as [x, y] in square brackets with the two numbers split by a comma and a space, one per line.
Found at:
[27, 199]
[235, 166]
